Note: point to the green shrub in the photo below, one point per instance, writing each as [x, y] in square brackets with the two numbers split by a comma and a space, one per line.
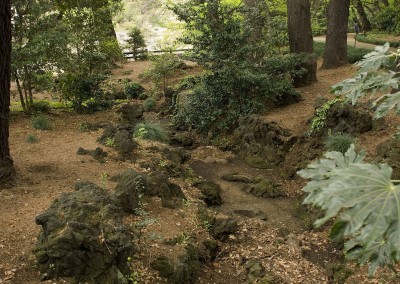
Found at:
[356, 54]
[339, 142]
[31, 138]
[372, 39]
[151, 131]
[81, 88]
[133, 90]
[387, 20]
[41, 106]
[41, 122]
[149, 104]
[319, 48]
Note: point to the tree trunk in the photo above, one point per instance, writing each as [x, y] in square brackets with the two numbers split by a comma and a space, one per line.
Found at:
[300, 38]
[335, 53]
[366, 24]
[7, 171]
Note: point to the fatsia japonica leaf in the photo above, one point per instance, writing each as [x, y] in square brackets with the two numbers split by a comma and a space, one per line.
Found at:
[365, 201]
[375, 59]
[387, 103]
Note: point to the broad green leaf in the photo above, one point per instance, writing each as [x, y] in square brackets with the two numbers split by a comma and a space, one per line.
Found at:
[365, 201]
[387, 103]
[375, 59]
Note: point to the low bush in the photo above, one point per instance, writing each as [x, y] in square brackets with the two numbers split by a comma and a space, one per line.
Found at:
[149, 104]
[41, 122]
[339, 142]
[151, 131]
[31, 138]
[133, 90]
[41, 106]
[372, 39]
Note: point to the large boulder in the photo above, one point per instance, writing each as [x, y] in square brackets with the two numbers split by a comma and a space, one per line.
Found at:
[83, 237]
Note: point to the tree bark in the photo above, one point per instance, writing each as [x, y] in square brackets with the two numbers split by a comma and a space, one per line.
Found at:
[301, 40]
[7, 171]
[335, 53]
[366, 24]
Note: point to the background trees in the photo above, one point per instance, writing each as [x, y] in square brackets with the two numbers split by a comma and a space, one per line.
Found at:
[6, 163]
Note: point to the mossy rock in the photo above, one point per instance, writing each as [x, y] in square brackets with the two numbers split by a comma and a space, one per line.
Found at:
[389, 152]
[83, 237]
[264, 188]
[236, 177]
[211, 192]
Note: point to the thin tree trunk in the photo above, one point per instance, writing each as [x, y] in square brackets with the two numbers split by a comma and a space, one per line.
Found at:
[301, 40]
[366, 24]
[21, 94]
[7, 171]
[335, 53]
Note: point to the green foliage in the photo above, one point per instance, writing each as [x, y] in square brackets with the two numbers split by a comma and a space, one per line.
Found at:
[41, 106]
[135, 41]
[366, 202]
[151, 131]
[41, 122]
[31, 139]
[387, 20]
[362, 198]
[373, 75]
[149, 104]
[162, 69]
[133, 90]
[339, 142]
[80, 88]
[239, 48]
[110, 142]
[318, 121]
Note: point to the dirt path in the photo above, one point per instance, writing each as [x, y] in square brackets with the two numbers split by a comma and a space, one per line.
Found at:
[279, 211]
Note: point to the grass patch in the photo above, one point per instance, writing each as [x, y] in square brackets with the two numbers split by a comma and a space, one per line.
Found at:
[339, 142]
[31, 139]
[151, 131]
[149, 104]
[41, 122]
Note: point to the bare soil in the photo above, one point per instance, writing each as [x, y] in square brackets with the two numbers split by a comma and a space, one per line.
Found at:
[287, 251]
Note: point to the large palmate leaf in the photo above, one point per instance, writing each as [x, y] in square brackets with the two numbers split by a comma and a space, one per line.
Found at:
[365, 201]
[375, 59]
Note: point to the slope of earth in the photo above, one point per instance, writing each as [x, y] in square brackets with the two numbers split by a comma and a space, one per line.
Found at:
[286, 252]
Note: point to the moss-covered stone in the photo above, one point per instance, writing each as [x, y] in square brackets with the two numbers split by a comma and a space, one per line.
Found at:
[211, 192]
[83, 237]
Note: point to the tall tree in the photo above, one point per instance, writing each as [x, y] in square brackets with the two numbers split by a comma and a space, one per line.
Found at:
[300, 38]
[7, 171]
[335, 53]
